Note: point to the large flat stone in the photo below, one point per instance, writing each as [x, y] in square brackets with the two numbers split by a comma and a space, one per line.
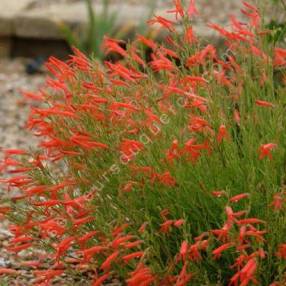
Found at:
[22, 18]
[44, 23]
[14, 6]
[9, 10]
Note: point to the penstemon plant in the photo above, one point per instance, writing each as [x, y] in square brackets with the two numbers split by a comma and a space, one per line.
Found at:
[162, 172]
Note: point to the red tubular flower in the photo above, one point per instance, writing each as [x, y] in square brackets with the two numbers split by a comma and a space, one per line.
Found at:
[117, 105]
[36, 190]
[147, 42]
[142, 228]
[80, 60]
[281, 253]
[49, 203]
[9, 152]
[19, 248]
[130, 148]
[239, 197]
[166, 179]
[21, 239]
[84, 141]
[248, 271]
[229, 213]
[164, 213]
[120, 70]
[256, 234]
[174, 152]
[127, 188]
[63, 246]
[192, 10]
[89, 252]
[51, 226]
[107, 263]
[194, 253]
[250, 221]
[257, 52]
[183, 250]
[236, 116]
[31, 263]
[229, 35]
[142, 276]
[60, 69]
[169, 52]
[133, 255]
[200, 57]
[4, 210]
[99, 280]
[252, 13]
[166, 226]
[183, 277]
[113, 46]
[222, 133]
[161, 63]
[81, 240]
[179, 10]
[217, 252]
[189, 36]
[80, 221]
[47, 275]
[121, 240]
[136, 57]
[279, 57]
[194, 81]
[263, 103]
[218, 194]
[241, 27]
[179, 222]
[129, 245]
[198, 124]
[163, 22]
[223, 233]
[265, 150]
[278, 201]
[194, 150]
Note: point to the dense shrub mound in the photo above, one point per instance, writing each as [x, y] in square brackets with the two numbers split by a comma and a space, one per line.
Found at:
[169, 171]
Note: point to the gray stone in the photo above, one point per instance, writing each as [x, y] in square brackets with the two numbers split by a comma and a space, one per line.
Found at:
[9, 9]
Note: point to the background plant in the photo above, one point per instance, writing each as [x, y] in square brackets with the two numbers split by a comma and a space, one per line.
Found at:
[278, 26]
[101, 24]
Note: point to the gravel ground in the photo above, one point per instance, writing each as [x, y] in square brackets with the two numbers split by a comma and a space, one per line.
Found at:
[13, 115]
[13, 109]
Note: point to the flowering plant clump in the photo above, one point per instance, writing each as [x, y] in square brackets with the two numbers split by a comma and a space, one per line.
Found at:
[170, 171]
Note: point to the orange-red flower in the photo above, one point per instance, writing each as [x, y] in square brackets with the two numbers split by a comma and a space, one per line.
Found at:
[265, 150]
